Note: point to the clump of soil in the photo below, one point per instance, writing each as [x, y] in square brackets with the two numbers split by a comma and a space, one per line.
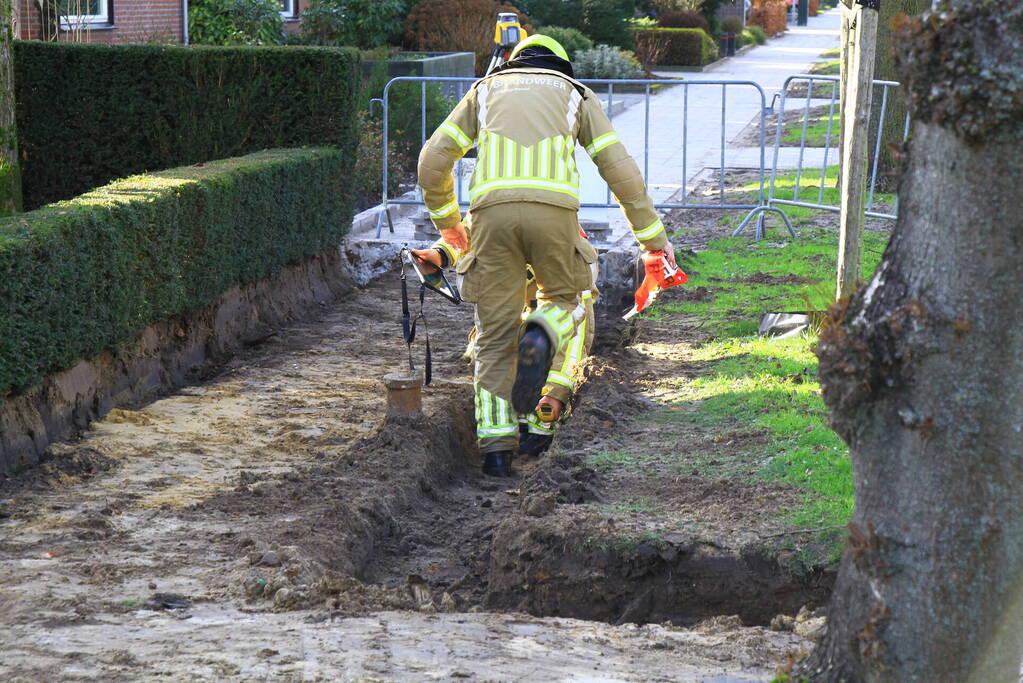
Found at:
[566, 478]
[606, 404]
[759, 278]
[62, 467]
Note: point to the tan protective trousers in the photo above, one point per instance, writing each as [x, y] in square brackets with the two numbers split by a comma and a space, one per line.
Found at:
[506, 237]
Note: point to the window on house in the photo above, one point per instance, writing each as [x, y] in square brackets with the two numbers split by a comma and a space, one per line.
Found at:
[289, 9]
[78, 14]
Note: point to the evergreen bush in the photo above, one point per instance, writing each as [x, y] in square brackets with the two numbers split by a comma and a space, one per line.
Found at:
[235, 22]
[683, 19]
[675, 46]
[86, 275]
[606, 61]
[602, 21]
[363, 23]
[88, 114]
[458, 26]
[571, 39]
[754, 34]
[731, 25]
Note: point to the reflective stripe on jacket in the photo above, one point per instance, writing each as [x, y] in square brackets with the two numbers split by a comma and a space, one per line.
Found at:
[525, 124]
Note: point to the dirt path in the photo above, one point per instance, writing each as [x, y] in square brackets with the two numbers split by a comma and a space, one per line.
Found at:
[265, 524]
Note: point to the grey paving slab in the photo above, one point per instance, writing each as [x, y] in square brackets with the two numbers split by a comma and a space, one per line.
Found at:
[708, 116]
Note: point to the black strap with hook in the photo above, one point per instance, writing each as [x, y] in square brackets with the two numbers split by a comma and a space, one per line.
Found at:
[409, 323]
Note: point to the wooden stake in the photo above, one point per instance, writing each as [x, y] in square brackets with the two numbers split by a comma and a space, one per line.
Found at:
[859, 32]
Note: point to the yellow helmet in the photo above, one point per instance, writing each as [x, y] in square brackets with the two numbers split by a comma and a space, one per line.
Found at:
[540, 40]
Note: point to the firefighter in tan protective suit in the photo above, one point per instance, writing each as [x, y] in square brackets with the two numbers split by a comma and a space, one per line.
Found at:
[525, 118]
[536, 433]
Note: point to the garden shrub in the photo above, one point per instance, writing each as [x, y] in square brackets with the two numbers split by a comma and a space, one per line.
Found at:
[675, 46]
[770, 15]
[457, 26]
[709, 10]
[88, 114]
[235, 22]
[363, 23]
[368, 172]
[405, 133]
[664, 6]
[571, 39]
[754, 34]
[685, 19]
[732, 25]
[86, 275]
[602, 21]
[606, 61]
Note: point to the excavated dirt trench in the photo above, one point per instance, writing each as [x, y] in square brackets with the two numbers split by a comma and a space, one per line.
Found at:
[275, 487]
[405, 512]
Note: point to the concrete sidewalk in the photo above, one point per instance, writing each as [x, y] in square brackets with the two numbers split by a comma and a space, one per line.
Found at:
[698, 106]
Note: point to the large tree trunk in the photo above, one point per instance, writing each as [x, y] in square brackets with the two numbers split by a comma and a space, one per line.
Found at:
[884, 70]
[10, 170]
[923, 372]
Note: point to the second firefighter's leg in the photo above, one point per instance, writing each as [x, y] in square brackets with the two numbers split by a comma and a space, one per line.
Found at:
[561, 380]
[549, 236]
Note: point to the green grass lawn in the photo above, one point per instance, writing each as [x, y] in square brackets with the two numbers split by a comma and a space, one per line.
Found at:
[809, 191]
[751, 384]
[830, 67]
[822, 127]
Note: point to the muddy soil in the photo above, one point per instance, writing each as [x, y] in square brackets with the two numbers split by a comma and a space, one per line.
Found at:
[271, 522]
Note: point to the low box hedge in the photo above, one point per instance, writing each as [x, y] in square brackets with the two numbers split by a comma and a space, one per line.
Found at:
[88, 114]
[675, 47]
[82, 276]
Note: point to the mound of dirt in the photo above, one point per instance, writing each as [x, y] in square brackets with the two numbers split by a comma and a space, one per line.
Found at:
[567, 478]
[335, 511]
[59, 469]
[605, 405]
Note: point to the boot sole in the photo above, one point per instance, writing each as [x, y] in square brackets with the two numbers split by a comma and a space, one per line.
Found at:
[530, 377]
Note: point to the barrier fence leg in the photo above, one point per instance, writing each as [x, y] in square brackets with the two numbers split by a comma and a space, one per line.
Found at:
[759, 230]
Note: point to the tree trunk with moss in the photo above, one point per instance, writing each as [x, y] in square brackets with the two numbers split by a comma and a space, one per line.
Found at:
[923, 372]
[10, 171]
[884, 70]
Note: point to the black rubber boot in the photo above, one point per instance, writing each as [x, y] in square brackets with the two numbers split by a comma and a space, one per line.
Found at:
[534, 445]
[497, 464]
[535, 355]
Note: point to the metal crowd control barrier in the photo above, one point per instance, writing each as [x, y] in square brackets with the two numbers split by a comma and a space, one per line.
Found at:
[831, 133]
[606, 89]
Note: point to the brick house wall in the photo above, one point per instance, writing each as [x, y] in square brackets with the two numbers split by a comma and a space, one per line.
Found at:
[130, 21]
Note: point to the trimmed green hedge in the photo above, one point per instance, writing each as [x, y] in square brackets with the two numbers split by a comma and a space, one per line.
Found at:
[88, 114]
[676, 46]
[85, 275]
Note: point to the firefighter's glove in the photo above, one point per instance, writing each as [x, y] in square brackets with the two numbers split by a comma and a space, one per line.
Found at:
[456, 237]
[429, 257]
[669, 253]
